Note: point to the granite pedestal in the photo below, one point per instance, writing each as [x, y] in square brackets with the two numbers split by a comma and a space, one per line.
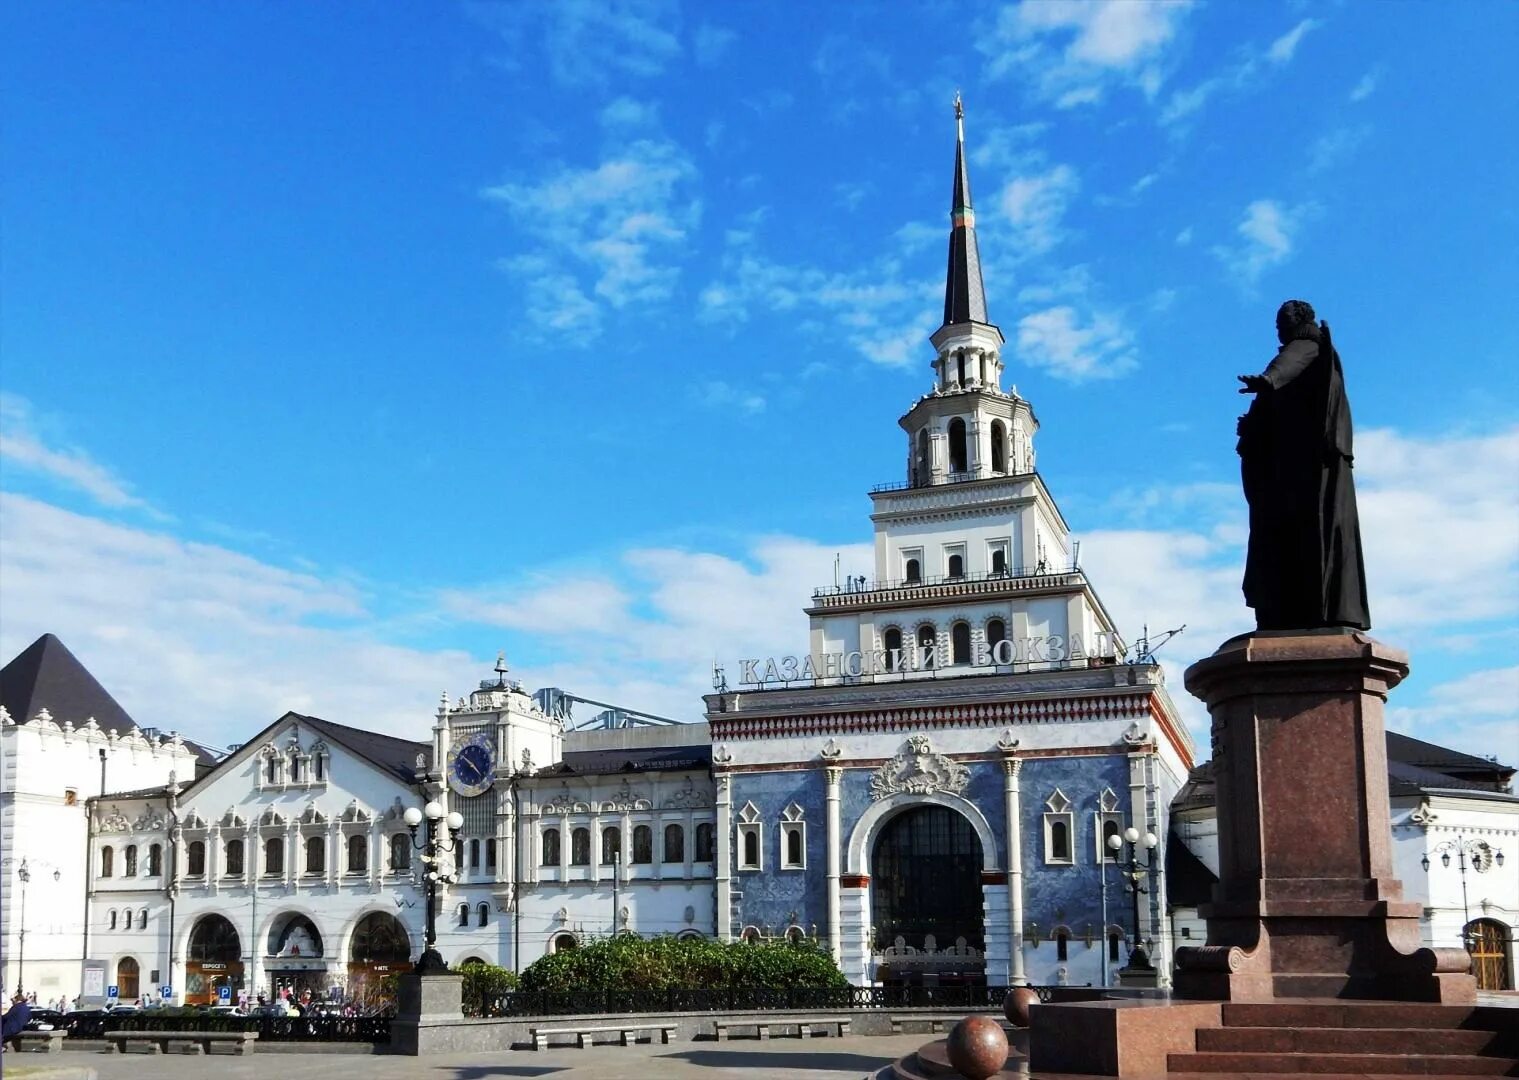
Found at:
[430, 1010]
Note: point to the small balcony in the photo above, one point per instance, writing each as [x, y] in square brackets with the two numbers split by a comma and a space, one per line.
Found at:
[991, 582]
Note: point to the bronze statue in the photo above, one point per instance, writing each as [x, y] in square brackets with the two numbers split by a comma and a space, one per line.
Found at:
[1304, 569]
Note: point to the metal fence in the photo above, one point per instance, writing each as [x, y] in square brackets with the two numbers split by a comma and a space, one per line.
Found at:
[358, 1029]
[745, 999]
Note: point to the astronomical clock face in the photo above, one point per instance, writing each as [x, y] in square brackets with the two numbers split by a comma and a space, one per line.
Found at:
[472, 766]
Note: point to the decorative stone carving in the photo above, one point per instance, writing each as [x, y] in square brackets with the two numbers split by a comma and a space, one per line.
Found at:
[115, 821]
[192, 820]
[395, 810]
[625, 798]
[1134, 735]
[354, 812]
[689, 797]
[831, 750]
[565, 803]
[917, 770]
[721, 754]
[271, 816]
[527, 760]
[1007, 744]
[150, 820]
[1423, 815]
[232, 820]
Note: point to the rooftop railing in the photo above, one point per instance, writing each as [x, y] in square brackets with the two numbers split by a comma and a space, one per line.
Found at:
[1024, 576]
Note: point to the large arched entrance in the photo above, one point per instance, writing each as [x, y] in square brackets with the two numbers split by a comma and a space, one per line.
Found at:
[1490, 944]
[295, 963]
[213, 960]
[380, 948]
[926, 899]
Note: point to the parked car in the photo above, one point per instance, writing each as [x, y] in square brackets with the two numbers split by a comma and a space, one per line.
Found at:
[223, 1010]
[45, 1020]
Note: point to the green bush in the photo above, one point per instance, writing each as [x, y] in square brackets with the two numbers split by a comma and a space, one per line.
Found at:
[629, 962]
[483, 984]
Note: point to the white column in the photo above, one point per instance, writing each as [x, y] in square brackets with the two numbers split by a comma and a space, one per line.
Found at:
[214, 859]
[832, 776]
[724, 858]
[1011, 793]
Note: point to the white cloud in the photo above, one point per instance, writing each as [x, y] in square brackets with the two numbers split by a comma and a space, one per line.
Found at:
[1478, 711]
[1184, 237]
[723, 396]
[1269, 233]
[1284, 47]
[23, 447]
[612, 234]
[1366, 86]
[711, 44]
[587, 41]
[1035, 207]
[1056, 340]
[627, 113]
[1330, 149]
[1073, 51]
[543, 604]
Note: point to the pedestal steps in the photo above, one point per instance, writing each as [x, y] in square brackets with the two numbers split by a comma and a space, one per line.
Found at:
[1390, 1038]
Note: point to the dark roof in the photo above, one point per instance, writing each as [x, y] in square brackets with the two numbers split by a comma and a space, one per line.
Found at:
[387, 752]
[964, 295]
[649, 759]
[45, 675]
[1189, 882]
[1412, 766]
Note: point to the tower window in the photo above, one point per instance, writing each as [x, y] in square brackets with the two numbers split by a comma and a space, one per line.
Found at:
[925, 467]
[891, 641]
[928, 639]
[957, 450]
[956, 566]
[996, 631]
[914, 570]
[999, 446]
[490, 856]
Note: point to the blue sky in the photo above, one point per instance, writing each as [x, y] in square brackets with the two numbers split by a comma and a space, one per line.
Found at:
[345, 345]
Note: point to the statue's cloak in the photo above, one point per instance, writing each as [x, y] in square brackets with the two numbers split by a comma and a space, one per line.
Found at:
[1304, 569]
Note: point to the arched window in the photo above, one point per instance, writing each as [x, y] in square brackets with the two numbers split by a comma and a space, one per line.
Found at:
[563, 942]
[358, 854]
[996, 631]
[675, 844]
[957, 459]
[580, 847]
[1062, 945]
[463, 914]
[999, 447]
[928, 638]
[751, 848]
[1114, 937]
[750, 936]
[550, 847]
[295, 767]
[274, 856]
[956, 566]
[155, 860]
[474, 854]
[113, 918]
[1060, 841]
[315, 863]
[142, 919]
[490, 854]
[1109, 828]
[794, 847]
[126, 978]
[107, 861]
[611, 845]
[195, 859]
[959, 643]
[129, 861]
[482, 914]
[960, 365]
[796, 935]
[891, 641]
[214, 939]
[318, 765]
[914, 570]
[233, 862]
[643, 844]
[705, 841]
[272, 769]
[999, 561]
[400, 853]
[925, 468]
[380, 937]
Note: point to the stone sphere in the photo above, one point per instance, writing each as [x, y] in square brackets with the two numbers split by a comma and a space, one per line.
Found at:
[978, 1047]
[1017, 1003]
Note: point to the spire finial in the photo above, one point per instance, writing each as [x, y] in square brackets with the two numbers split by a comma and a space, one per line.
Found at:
[959, 118]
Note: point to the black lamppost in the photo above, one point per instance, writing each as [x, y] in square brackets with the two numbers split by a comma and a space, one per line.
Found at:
[24, 874]
[432, 846]
[1134, 873]
[1463, 847]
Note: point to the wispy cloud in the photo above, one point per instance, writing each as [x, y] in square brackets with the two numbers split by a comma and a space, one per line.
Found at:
[1073, 53]
[587, 41]
[608, 235]
[1268, 236]
[23, 446]
[722, 395]
[1366, 85]
[1058, 340]
[1035, 208]
[1284, 48]
[711, 44]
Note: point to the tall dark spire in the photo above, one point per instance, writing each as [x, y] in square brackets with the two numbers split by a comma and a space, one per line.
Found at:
[964, 295]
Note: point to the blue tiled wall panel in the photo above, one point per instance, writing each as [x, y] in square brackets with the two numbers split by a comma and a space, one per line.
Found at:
[771, 894]
[1072, 895]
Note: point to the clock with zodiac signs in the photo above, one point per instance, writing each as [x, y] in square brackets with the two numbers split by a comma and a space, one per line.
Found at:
[472, 766]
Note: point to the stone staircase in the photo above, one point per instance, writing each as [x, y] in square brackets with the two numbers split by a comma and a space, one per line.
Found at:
[1357, 1037]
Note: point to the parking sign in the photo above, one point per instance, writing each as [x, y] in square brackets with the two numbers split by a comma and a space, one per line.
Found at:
[166, 992]
[112, 992]
[224, 995]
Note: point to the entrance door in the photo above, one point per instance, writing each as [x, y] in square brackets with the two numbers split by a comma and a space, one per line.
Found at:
[925, 881]
[1490, 954]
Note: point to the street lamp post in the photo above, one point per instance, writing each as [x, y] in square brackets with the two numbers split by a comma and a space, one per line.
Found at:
[432, 846]
[1462, 847]
[24, 875]
[1134, 873]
